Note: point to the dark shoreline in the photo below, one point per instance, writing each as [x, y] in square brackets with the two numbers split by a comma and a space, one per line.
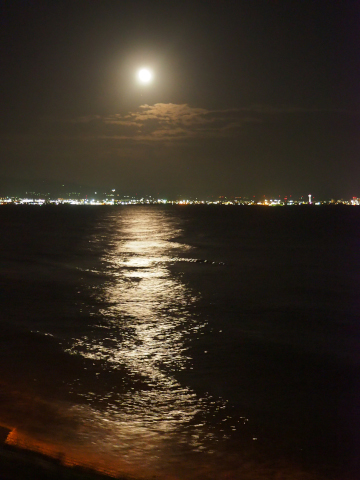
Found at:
[19, 464]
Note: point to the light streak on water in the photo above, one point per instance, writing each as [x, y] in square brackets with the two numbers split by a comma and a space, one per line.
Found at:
[142, 331]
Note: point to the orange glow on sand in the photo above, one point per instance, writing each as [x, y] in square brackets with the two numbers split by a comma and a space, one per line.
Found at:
[78, 456]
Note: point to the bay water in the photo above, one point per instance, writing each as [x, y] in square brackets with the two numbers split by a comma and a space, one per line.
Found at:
[183, 342]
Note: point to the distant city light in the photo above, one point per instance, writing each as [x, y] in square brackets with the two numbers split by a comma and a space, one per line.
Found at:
[73, 198]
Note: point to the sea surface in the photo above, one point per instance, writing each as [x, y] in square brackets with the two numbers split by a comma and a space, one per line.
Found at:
[183, 342]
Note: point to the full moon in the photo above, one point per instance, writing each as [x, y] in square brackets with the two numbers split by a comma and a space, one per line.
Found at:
[145, 75]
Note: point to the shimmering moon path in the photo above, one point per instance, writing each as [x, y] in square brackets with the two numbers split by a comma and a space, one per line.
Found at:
[142, 329]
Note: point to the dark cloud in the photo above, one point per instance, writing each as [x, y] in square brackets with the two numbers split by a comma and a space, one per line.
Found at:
[164, 123]
[168, 123]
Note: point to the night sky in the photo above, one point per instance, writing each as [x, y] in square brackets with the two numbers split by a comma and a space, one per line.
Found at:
[248, 97]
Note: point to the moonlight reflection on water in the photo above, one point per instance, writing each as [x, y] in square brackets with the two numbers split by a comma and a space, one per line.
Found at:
[143, 326]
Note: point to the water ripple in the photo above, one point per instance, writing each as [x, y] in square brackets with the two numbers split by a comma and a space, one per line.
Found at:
[146, 319]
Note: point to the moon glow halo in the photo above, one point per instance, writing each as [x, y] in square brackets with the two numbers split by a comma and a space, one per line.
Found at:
[145, 75]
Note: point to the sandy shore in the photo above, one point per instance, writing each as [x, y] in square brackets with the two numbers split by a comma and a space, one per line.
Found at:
[17, 464]
[20, 464]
